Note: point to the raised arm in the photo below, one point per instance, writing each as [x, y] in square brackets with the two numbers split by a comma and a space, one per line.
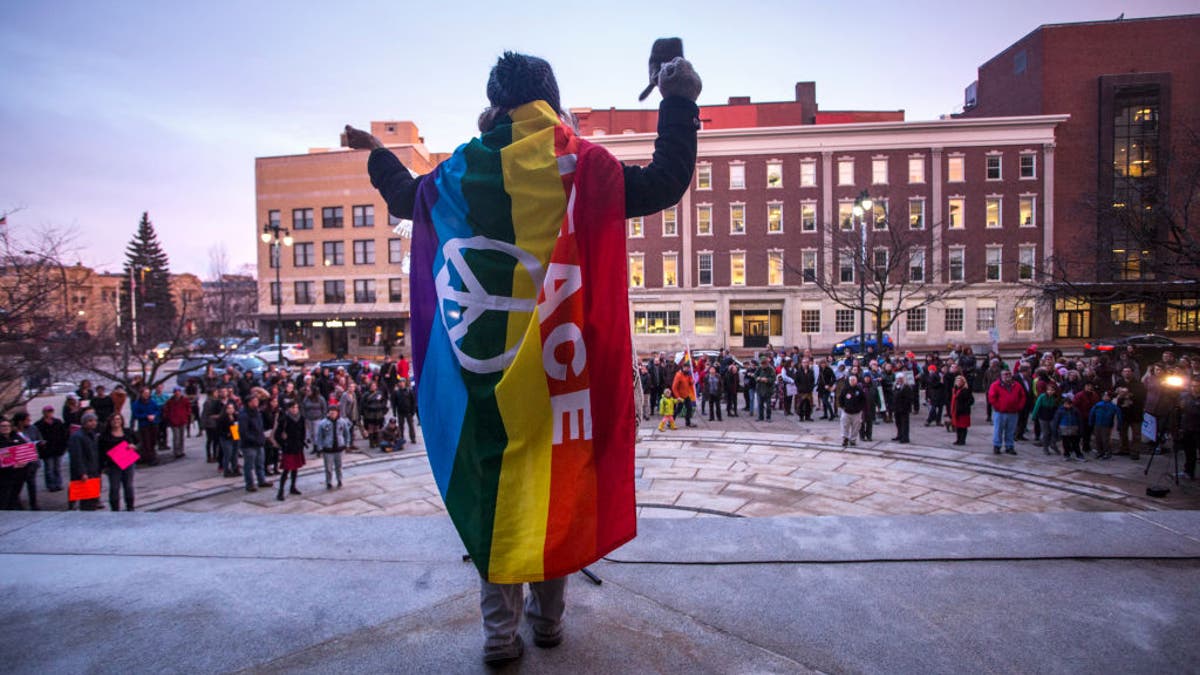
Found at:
[661, 184]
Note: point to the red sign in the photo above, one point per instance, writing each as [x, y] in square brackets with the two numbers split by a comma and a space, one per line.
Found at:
[83, 489]
[122, 455]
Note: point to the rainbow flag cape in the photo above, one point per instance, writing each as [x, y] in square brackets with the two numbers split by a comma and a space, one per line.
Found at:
[520, 341]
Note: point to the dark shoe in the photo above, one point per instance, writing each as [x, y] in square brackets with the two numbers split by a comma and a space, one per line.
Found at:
[1019, 438]
[293, 491]
[265, 484]
[251, 489]
[548, 641]
[1010, 451]
[279, 496]
[845, 442]
[506, 655]
[339, 484]
[996, 449]
[231, 474]
[329, 486]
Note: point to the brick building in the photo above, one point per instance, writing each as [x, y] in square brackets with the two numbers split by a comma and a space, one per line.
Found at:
[1127, 163]
[343, 281]
[770, 211]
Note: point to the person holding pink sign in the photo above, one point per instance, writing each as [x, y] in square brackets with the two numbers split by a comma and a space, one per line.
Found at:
[116, 441]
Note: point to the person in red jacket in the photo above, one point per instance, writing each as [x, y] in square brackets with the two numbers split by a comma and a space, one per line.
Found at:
[177, 413]
[1084, 400]
[684, 387]
[1007, 399]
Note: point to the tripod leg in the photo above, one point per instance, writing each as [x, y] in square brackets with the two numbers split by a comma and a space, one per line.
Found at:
[591, 575]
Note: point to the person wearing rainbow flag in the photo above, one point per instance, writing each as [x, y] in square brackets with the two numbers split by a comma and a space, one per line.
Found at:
[519, 300]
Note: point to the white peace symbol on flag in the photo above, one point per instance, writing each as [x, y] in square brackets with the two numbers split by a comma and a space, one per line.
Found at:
[474, 300]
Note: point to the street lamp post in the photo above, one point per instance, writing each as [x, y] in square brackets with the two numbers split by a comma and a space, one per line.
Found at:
[62, 270]
[862, 209]
[276, 236]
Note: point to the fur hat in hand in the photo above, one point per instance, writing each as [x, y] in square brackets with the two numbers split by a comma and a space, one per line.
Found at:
[518, 79]
[678, 78]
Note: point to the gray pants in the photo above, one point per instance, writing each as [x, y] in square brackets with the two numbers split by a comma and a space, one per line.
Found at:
[252, 465]
[500, 605]
[177, 440]
[850, 424]
[333, 464]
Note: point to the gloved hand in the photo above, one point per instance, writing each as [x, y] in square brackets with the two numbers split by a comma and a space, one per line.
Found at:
[678, 78]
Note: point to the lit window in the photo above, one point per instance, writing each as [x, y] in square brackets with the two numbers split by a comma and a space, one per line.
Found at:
[808, 265]
[704, 220]
[1028, 165]
[737, 269]
[637, 271]
[670, 222]
[670, 262]
[916, 214]
[843, 321]
[703, 176]
[808, 173]
[916, 265]
[637, 227]
[1023, 318]
[846, 267]
[810, 321]
[985, 318]
[774, 268]
[915, 320]
[954, 169]
[737, 219]
[993, 167]
[706, 322]
[957, 257]
[656, 323]
[845, 172]
[879, 171]
[1028, 211]
[880, 208]
[774, 174]
[1026, 262]
[916, 169]
[704, 269]
[737, 176]
[955, 214]
[808, 217]
[846, 215]
[992, 211]
[775, 218]
[955, 319]
[993, 260]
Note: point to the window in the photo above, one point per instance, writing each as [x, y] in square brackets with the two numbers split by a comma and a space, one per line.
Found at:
[1028, 165]
[879, 171]
[737, 176]
[993, 167]
[670, 262]
[704, 176]
[1027, 208]
[670, 222]
[916, 169]
[808, 173]
[846, 214]
[395, 251]
[880, 209]
[704, 220]
[808, 217]
[1183, 316]
[954, 169]
[331, 216]
[914, 320]
[706, 322]
[992, 270]
[774, 268]
[1026, 262]
[756, 321]
[364, 252]
[774, 174]
[305, 293]
[395, 290]
[737, 269]
[656, 323]
[879, 262]
[884, 318]
[364, 216]
[845, 172]
[775, 218]
[955, 214]
[916, 265]
[335, 292]
[272, 257]
[1023, 318]
[737, 219]
[275, 293]
[843, 321]
[846, 267]
[704, 268]
[1127, 312]
[957, 257]
[992, 211]
[334, 253]
[302, 219]
[302, 255]
[810, 321]
[364, 290]
[916, 214]
[637, 271]
[273, 218]
[955, 319]
[985, 317]
[637, 227]
[808, 265]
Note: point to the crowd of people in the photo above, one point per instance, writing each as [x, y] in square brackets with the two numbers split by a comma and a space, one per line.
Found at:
[253, 428]
[1071, 406]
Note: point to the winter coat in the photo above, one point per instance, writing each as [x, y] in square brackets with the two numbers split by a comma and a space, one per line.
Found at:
[55, 436]
[142, 409]
[1066, 417]
[1009, 400]
[403, 401]
[250, 428]
[683, 386]
[178, 411]
[84, 454]
[107, 442]
[289, 433]
[313, 407]
[325, 431]
[961, 400]
[374, 408]
[1104, 414]
[852, 400]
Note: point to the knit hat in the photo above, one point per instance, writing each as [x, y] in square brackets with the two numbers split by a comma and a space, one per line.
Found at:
[517, 79]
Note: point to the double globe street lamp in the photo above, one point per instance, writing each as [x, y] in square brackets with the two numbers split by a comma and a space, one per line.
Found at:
[276, 237]
[862, 208]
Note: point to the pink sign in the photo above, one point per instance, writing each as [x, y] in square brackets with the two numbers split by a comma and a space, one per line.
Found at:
[18, 455]
[122, 455]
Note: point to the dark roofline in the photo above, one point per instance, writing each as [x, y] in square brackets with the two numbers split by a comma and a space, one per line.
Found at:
[1170, 17]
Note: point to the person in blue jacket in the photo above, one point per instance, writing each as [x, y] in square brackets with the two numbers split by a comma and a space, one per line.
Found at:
[1104, 416]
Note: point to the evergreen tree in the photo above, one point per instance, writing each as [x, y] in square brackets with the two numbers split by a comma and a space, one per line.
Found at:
[147, 273]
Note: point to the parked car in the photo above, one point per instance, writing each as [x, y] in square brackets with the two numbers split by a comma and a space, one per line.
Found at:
[353, 368]
[202, 346]
[293, 352]
[709, 356]
[193, 367]
[248, 346]
[160, 351]
[852, 345]
[1147, 348]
